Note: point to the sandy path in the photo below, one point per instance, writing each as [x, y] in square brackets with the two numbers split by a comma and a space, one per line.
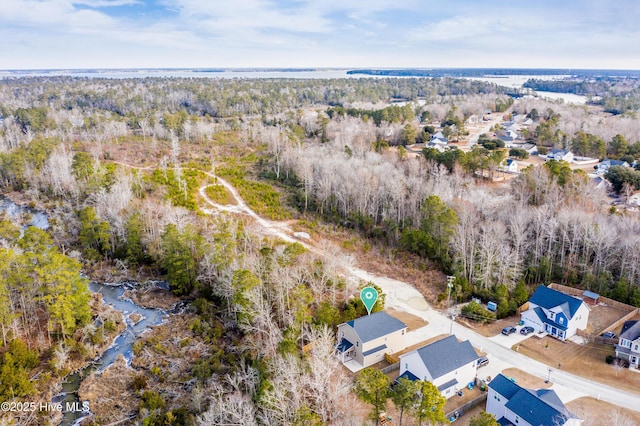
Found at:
[404, 297]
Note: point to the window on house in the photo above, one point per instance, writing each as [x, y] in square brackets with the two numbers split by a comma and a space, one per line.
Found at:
[403, 332]
[635, 347]
[561, 320]
[517, 419]
[357, 344]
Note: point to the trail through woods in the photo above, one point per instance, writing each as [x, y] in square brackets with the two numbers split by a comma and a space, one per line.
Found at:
[404, 297]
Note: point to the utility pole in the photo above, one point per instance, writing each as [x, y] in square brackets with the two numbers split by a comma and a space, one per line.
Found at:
[450, 280]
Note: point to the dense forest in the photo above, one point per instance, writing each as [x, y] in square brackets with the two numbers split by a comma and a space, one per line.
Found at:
[122, 168]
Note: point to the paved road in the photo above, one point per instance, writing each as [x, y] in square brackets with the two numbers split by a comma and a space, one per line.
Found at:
[404, 297]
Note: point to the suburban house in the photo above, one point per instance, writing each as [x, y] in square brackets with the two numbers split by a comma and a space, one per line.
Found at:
[365, 340]
[555, 313]
[439, 139]
[628, 346]
[437, 146]
[509, 166]
[450, 365]
[509, 137]
[529, 147]
[518, 406]
[560, 155]
[604, 165]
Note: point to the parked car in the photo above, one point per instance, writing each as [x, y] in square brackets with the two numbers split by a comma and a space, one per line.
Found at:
[482, 361]
[609, 335]
[526, 330]
[508, 330]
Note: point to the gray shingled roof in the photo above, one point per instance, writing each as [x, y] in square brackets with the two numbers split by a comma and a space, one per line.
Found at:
[376, 325]
[539, 407]
[630, 330]
[446, 355]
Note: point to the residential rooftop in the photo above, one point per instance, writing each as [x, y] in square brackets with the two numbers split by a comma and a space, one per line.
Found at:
[371, 327]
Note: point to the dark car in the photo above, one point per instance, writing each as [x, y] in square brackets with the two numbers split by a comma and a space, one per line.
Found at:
[526, 330]
[482, 361]
[609, 335]
[508, 330]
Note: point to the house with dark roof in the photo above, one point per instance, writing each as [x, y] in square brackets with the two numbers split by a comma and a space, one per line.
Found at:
[365, 340]
[628, 346]
[558, 314]
[449, 364]
[509, 166]
[518, 406]
[604, 165]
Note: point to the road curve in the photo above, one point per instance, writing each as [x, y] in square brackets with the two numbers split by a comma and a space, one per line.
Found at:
[403, 296]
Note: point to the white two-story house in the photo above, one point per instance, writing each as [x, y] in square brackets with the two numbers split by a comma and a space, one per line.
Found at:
[365, 340]
[555, 313]
[628, 346]
[515, 405]
[450, 365]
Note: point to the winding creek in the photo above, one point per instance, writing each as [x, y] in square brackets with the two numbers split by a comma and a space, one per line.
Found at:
[111, 295]
[122, 345]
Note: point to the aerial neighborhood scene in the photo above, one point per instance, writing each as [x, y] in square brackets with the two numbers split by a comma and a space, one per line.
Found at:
[265, 212]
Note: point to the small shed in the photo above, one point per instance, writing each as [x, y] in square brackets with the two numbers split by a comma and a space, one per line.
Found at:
[492, 306]
[590, 298]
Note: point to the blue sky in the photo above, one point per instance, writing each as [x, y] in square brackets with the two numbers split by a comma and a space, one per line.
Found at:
[319, 33]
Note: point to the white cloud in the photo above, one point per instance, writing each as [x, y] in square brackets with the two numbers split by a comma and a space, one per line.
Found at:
[105, 3]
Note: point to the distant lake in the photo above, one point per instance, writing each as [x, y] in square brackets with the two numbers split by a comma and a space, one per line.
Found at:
[568, 98]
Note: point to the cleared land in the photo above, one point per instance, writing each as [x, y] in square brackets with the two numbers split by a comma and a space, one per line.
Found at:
[600, 413]
[583, 360]
[602, 316]
[413, 322]
[490, 329]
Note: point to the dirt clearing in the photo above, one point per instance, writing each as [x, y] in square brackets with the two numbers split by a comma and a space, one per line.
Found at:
[600, 413]
[413, 322]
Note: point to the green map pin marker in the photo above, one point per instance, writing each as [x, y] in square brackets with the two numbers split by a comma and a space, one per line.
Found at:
[369, 297]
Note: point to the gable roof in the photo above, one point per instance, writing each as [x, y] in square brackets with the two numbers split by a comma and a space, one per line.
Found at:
[609, 163]
[538, 407]
[630, 330]
[504, 386]
[376, 325]
[549, 298]
[446, 355]
[543, 317]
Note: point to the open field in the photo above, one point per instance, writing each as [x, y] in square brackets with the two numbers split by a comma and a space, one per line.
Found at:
[583, 360]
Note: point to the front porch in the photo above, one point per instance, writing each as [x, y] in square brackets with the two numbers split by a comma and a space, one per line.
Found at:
[556, 332]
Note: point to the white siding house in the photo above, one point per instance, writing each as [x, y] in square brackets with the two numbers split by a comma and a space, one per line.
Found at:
[450, 365]
[365, 340]
[628, 346]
